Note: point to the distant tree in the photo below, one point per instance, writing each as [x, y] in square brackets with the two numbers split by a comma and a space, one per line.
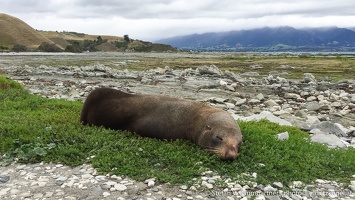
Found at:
[47, 47]
[19, 48]
[89, 45]
[126, 38]
[2, 48]
[75, 47]
[99, 39]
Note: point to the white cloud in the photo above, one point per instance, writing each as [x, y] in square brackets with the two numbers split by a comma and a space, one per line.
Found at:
[154, 19]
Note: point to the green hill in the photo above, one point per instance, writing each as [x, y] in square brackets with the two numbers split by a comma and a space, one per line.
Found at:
[14, 31]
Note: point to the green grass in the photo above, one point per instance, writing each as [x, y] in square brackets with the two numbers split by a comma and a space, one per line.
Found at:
[35, 129]
[6, 83]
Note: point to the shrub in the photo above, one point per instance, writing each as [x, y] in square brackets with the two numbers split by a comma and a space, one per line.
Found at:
[6, 83]
[75, 48]
[19, 48]
[2, 48]
[47, 47]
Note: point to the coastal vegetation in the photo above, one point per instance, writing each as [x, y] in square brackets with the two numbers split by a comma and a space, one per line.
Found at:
[37, 129]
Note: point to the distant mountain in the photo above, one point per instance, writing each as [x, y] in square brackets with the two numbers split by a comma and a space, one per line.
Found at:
[14, 31]
[269, 39]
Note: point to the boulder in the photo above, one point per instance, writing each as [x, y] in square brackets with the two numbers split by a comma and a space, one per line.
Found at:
[332, 128]
[209, 70]
[283, 136]
[308, 78]
[271, 103]
[264, 115]
[250, 74]
[331, 140]
[313, 106]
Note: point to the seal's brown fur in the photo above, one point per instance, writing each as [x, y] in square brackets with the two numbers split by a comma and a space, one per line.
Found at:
[164, 118]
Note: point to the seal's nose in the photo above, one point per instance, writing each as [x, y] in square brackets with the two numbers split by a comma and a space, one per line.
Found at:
[230, 154]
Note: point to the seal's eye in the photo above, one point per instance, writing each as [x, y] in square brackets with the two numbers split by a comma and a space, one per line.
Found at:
[219, 138]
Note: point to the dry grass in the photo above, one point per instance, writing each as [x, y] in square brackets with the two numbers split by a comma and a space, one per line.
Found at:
[77, 36]
[327, 67]
[15, 31]
[322, 67]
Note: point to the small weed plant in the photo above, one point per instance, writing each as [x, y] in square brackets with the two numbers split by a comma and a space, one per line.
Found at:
[35, 129]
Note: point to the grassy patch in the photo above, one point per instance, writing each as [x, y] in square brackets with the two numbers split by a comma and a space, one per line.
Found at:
[6, 83]
[34, 129]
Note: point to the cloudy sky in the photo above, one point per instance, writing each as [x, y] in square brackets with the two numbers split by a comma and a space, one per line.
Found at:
[156, 19]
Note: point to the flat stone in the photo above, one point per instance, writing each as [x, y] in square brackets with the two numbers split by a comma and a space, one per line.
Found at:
[87, 176]
[120, 187]
[254, 101]
[106, 194]
[268, 116]
[331, 140]
[269, 188]
[271, 103]
[250, 74]
[240, 102]
[313, 106]
[301, 113]
[4, 178]
[283, 136]
[209, 70]
[292, 96]
[332, 128]
[278, 184]
[260, 96]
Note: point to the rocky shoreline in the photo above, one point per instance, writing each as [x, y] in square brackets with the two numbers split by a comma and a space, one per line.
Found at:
[325, 109]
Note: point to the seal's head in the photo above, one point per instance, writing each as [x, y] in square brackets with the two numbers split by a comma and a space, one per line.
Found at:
[221, 136]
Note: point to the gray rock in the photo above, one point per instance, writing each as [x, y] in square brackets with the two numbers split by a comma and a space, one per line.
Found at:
[264, 115]
[331, 140]
[229, 88]
[250, 74]
[4, 178]
[271, 103]
[269, 188]
[336, 104]
[313, 106]
[352, 100]
[283, 136]
[256, 66]
[308, 77]
[200, 84]
[209, 70]
[260, 96]
[332, 128]
[292, 96]
[254, 101]
[278, 184]
[218, 100]
[121, 187]
[240, 102]
[311, 98]
[301, 113]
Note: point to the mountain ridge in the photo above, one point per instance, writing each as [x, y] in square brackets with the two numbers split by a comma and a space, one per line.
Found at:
[268, 39]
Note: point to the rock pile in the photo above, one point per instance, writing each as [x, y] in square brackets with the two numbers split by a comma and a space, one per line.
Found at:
[56, 181]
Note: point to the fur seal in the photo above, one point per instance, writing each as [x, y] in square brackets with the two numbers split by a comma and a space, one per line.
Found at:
[164, 117]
